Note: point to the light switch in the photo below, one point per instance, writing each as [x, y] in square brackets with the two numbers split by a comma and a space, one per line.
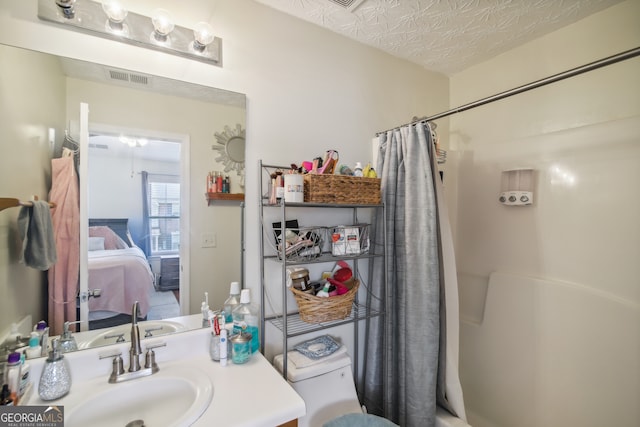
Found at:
[209, 240]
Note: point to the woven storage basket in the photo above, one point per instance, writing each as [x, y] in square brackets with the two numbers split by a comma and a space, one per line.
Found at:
[315, 309]
[341, 189]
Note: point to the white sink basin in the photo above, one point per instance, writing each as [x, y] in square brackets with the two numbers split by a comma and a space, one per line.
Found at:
[99, 339]
[176, 396]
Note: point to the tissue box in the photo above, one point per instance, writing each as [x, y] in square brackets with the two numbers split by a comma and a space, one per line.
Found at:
[350, 240]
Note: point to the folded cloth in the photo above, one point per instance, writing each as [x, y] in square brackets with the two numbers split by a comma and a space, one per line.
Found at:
[36, 231]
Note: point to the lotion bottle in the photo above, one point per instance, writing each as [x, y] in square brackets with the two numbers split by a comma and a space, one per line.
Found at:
[34, 350]
[12, 375]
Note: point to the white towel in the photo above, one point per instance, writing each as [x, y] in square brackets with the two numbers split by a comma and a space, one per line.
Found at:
[302, 361]
[36, 231]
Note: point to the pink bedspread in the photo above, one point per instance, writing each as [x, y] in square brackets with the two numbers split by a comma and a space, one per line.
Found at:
[124, 276]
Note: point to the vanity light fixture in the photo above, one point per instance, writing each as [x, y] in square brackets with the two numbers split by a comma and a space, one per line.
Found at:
[133, 142]
[109, 19]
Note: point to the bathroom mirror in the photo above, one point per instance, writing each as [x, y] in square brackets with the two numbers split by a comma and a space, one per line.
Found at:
[122, 102]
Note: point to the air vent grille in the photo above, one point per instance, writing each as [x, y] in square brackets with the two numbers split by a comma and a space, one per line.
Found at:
[123, 76]
[137, 78]
[119, 75]
[100, 146]
[350, 5]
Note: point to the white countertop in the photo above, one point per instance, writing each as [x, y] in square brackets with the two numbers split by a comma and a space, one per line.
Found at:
[248, 395]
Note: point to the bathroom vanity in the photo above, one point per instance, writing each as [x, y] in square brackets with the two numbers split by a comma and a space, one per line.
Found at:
[188, 389]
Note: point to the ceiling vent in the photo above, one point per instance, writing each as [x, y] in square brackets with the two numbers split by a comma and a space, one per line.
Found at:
[124, 76]
[350, 5]
[99, 146]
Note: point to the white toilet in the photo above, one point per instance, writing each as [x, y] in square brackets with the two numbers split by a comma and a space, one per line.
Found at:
[327, 389]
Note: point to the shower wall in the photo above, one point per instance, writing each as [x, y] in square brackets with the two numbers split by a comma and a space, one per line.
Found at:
[549, 293]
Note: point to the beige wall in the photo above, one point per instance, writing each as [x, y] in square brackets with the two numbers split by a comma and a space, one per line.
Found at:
[27, 109]
[582, 137]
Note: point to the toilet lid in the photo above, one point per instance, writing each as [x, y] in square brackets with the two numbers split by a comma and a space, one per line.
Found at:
[295, 374]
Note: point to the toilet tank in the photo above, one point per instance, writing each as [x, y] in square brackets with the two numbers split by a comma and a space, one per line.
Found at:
[327, 389]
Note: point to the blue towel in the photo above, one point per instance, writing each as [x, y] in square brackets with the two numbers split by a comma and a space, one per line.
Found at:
[36, 231]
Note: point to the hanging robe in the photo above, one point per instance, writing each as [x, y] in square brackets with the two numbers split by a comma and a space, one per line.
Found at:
[65, 273]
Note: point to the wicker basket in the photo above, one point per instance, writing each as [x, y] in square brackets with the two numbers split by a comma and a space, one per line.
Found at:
[341, 189]
[315, 309]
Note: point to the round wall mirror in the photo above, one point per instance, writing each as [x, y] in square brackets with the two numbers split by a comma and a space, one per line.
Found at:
[230, 148]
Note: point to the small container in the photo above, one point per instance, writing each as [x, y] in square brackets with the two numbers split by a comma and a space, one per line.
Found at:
[214, 347]
[300, 279]
[240, 348]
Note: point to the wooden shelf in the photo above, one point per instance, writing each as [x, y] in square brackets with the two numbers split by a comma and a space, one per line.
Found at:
[213, 197]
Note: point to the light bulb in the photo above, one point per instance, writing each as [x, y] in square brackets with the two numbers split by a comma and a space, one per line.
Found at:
[162, 24]
[114, 10]
[203, 35]
[128, 141]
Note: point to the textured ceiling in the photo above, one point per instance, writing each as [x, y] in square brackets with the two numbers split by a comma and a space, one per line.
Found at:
[442, 35]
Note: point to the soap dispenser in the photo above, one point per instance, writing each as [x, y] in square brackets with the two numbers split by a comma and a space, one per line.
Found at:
[55, 380]
[67, 341]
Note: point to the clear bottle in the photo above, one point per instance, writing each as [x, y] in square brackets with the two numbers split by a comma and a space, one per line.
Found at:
[232, 301]
[245, 319]
[55, 380]
[204, 309]
[357, 170]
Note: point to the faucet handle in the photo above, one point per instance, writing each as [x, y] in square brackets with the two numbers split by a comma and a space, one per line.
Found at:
[119, 336]
[147, 332]
[150, 356]
[117, 365]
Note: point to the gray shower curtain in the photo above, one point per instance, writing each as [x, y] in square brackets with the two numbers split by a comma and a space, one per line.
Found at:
[405, 361]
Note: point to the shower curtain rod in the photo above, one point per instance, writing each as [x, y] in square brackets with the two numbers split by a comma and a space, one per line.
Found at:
[628, 54]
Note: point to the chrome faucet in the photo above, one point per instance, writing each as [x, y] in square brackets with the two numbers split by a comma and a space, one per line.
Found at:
[135, 351]
[135, 370]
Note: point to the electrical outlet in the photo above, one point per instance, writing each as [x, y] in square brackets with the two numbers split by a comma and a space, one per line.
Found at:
[209, 240]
